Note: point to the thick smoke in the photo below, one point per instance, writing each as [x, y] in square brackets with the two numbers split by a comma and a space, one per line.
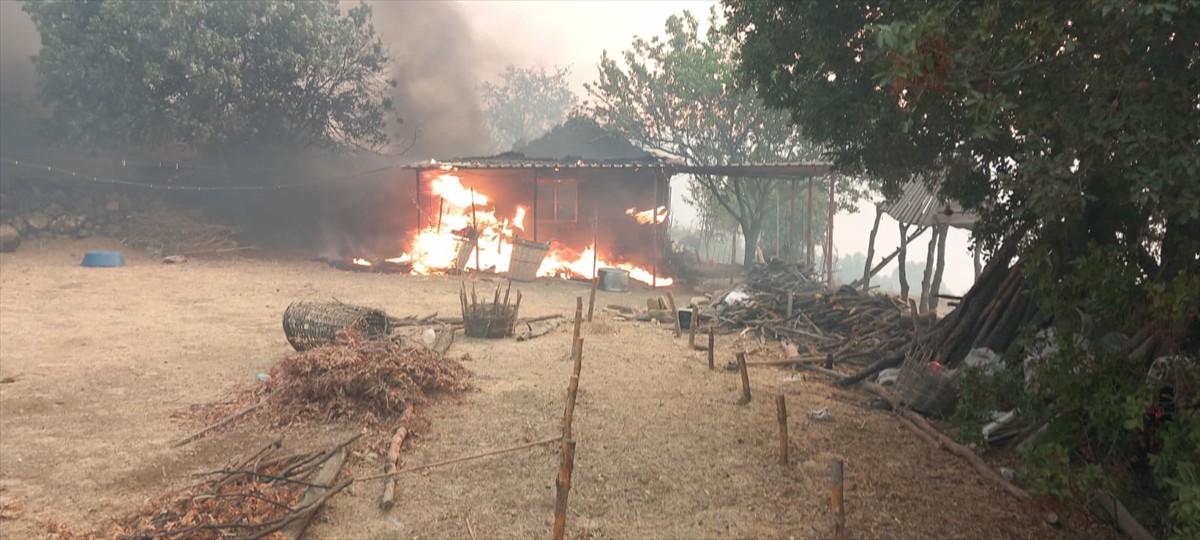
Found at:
[18, 41]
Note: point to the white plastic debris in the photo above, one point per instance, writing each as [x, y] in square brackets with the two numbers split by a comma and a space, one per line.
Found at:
[888, 376]
[985, 359]
[429, 337]
[262, 377]
[999, 420]
[820, 415]
[736, 297]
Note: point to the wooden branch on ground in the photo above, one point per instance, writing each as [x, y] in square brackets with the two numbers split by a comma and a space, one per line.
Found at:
[316, 496]
[530, 332]
[461, 459]
[871, 370]
[224, 421]
[393, 463]
[786, 361]
[957, 449]
[823, 371]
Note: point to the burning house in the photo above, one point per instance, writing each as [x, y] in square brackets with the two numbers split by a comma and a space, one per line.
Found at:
[578, 198]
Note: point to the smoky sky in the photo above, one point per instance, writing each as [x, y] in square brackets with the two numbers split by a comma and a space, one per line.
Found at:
[436, 61]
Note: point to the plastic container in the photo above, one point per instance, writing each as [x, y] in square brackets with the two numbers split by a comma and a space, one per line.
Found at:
[613, 280]
[103, 259]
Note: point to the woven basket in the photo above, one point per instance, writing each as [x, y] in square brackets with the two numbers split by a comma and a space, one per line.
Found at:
[489, 321]
[312, 324]
[923, 390]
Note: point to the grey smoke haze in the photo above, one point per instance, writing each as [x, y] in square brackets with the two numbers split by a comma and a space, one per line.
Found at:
[18, 41]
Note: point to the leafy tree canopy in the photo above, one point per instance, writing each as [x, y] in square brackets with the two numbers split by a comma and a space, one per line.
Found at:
[1073, 128]
[526, 103]
[219, 77]
[680, 94]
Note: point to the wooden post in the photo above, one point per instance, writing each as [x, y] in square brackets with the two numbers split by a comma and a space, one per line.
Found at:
[595, 244]
[778, 244]
[692, 327]
[866, 280]
[741, 361]
[572, 389]
[930, 262]
[791, 233]
[578, 319]
[781, 413]
[836, 499]
[902, 262]
[475, 226]
[535, 205]
[562, 487]
[808, 256]
[888, 259]
[417, 195]
[935, 287]
[829, 232]
[592, 296]
[791, 302]
[674, 313]
[711, 342]
[658, 248]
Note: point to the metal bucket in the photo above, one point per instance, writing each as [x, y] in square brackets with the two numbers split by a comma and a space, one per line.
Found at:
[613, 280]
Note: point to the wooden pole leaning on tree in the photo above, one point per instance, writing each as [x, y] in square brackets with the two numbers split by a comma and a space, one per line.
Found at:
[562, 489]
[741, 361]
[837, 500]
[781, 413]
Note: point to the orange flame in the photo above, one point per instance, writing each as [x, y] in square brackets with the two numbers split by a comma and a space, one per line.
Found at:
[439, 249]
[647, 217]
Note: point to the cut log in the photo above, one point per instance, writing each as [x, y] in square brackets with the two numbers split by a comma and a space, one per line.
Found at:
[393, 463]
[531, 331]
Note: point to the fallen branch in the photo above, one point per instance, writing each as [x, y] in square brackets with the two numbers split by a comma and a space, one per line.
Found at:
[787, 361]
[530, 332]
[223, 422]
[314, 497]
[874, 368]
[945, 442]
[818, 369]
[393, 462]
[461, 459]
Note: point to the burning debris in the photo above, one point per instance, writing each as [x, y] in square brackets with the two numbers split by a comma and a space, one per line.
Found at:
[648, 217]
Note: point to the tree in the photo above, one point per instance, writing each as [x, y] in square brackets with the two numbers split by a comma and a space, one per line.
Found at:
[1072, 128]
[223, 78]
[680, 95]
[526, 104]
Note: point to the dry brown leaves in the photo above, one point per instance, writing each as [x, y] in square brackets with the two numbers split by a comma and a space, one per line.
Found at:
[369, 381]
[10, 508]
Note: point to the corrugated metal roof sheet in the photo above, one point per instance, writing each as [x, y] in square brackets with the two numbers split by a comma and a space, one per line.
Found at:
[918, 205]
[754, 170]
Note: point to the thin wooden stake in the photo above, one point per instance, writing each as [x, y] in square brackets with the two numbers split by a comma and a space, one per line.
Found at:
[674, 313]
[692, 326]
[791, 301]
[563, 488]
[592, 297]
[572, 389]
[578, 319]
[741, 361]
[839, 507]
[711, 341]
[781, 412]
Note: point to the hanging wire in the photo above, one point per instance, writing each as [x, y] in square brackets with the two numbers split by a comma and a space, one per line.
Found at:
[170, 187]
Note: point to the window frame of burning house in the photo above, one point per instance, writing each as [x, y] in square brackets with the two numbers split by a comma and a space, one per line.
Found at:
[556, 195]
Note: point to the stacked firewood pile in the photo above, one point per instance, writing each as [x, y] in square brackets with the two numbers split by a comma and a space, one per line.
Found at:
[783, 301]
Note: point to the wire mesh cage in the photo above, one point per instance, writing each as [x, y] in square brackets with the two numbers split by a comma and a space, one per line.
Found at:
[312, 324]
[929, 391]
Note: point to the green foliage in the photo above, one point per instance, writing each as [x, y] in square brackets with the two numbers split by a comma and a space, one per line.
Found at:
[679, 94]
[526, 103]
[1071, 128]
[219, 77]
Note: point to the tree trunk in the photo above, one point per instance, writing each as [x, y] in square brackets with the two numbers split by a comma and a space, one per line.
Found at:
[935, 287]
[926, 281]
[866, 280]
[751, 233]
[902, 262]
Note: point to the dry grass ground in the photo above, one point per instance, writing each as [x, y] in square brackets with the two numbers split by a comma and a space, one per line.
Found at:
[102, 358]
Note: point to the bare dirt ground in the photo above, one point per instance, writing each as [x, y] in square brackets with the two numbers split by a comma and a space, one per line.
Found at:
[100, 359]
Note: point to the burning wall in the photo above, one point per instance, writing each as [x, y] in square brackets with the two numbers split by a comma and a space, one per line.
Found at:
[569, 209]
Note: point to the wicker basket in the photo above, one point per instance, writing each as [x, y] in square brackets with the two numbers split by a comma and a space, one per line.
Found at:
[489, 321]
[312, 324]
[926, 391]
[526, 259]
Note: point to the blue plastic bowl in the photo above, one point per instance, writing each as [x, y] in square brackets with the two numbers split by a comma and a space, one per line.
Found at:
[103, 259]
